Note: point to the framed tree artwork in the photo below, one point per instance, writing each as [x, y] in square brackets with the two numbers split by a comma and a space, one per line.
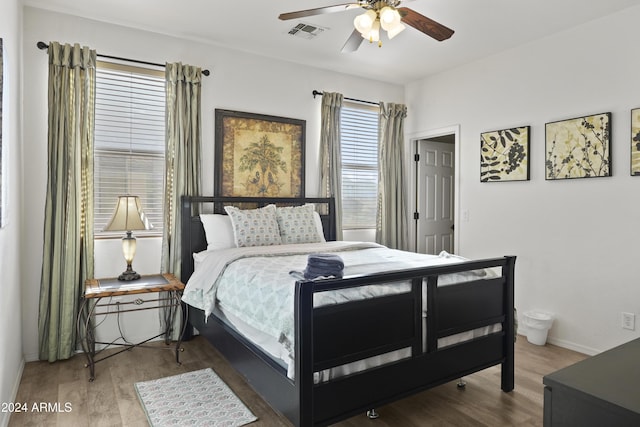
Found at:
[504, 155]
[578, 148]
[635, 142]
[258, 155]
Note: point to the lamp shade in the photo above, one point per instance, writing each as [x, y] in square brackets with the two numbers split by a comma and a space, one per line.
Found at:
[395, 30]
[128, 215]
[364, 22]
[373, 35]
[389, 17]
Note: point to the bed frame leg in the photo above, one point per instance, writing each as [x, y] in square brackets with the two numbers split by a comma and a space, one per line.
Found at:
[461, 383]
[372, 414]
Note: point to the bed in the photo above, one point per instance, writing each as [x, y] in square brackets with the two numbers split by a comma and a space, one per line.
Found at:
[431, 324]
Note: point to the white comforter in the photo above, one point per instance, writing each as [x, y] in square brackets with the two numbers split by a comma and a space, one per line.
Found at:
[255, 285]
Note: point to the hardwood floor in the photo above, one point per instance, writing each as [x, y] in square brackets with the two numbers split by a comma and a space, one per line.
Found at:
[111, 399]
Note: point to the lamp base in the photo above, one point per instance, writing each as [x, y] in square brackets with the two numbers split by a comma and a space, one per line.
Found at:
[128, 276]
[129, 249]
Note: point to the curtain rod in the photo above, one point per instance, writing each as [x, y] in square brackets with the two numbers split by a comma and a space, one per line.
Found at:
[43, 46]
[315, 92]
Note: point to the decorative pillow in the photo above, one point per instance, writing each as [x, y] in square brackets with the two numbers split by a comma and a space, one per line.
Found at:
[218, 231]
[298, 224]
[254, 227]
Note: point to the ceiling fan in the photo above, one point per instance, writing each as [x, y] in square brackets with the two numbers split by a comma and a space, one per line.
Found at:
[378, 14]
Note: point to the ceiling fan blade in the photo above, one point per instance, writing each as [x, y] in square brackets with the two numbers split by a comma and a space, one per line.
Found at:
[317, 11]
[424, 24]
[353, 42]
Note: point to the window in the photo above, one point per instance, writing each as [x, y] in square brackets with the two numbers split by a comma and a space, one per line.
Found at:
[359, 145]
[129, 142]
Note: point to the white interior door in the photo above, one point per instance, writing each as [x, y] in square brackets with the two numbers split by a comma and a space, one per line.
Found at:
[435, 184]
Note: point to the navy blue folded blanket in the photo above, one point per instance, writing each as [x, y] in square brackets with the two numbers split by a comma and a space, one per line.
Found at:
[322, 265]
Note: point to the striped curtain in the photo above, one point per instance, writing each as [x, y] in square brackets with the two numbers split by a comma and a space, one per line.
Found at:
[392, 222]
[184, 135]
[68, 229]
[330, 155]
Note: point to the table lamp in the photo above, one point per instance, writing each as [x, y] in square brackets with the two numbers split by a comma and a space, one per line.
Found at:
[128, 216]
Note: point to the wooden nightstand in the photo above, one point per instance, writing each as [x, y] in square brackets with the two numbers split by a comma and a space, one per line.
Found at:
[91, 307]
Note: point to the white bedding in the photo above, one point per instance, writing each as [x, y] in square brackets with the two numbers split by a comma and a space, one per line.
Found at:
[254, 289]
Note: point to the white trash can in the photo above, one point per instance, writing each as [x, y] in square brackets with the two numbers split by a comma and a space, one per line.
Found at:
[538, 324]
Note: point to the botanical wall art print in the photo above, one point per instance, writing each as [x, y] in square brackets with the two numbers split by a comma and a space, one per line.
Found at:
[504, 155]
[578, 148]
[635, 141]
[258, 155]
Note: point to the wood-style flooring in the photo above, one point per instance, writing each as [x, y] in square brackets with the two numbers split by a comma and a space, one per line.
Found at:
[111, 399]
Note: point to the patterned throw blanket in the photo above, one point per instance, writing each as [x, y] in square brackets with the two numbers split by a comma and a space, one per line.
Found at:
[254, 283]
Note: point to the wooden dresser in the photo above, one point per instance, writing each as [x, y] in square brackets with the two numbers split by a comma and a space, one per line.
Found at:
[599, 391]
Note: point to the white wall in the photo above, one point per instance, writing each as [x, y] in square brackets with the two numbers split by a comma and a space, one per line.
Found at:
[576, 240]
[11, 360]
[239, 81]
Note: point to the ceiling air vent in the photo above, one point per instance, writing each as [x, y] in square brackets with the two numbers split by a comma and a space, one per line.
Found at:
[306, 31]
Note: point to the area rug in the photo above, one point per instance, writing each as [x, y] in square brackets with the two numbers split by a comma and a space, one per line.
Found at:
[198, 398]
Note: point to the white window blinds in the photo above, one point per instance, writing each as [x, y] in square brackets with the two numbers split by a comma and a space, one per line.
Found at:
[129, 143]
[359, 145]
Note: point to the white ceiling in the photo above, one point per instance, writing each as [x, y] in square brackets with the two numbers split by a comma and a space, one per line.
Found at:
[482, 28]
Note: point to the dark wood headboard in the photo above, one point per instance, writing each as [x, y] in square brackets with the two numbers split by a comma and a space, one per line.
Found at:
[194, 239]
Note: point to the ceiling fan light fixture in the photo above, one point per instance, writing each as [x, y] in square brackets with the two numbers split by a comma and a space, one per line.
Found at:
[373, 35]
[365, 22]
[369, 23]
[378, 13]
[389, 17]
[392, 32]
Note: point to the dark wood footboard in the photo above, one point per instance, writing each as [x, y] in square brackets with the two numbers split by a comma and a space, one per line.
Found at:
[333, 335]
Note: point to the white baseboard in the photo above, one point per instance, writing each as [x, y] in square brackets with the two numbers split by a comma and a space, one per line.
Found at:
[569, 345]
[573, 346]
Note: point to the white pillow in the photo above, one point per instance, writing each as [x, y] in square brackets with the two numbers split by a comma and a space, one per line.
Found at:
[319, 227]
[298, 224]
[254, 227]
[218, 231]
